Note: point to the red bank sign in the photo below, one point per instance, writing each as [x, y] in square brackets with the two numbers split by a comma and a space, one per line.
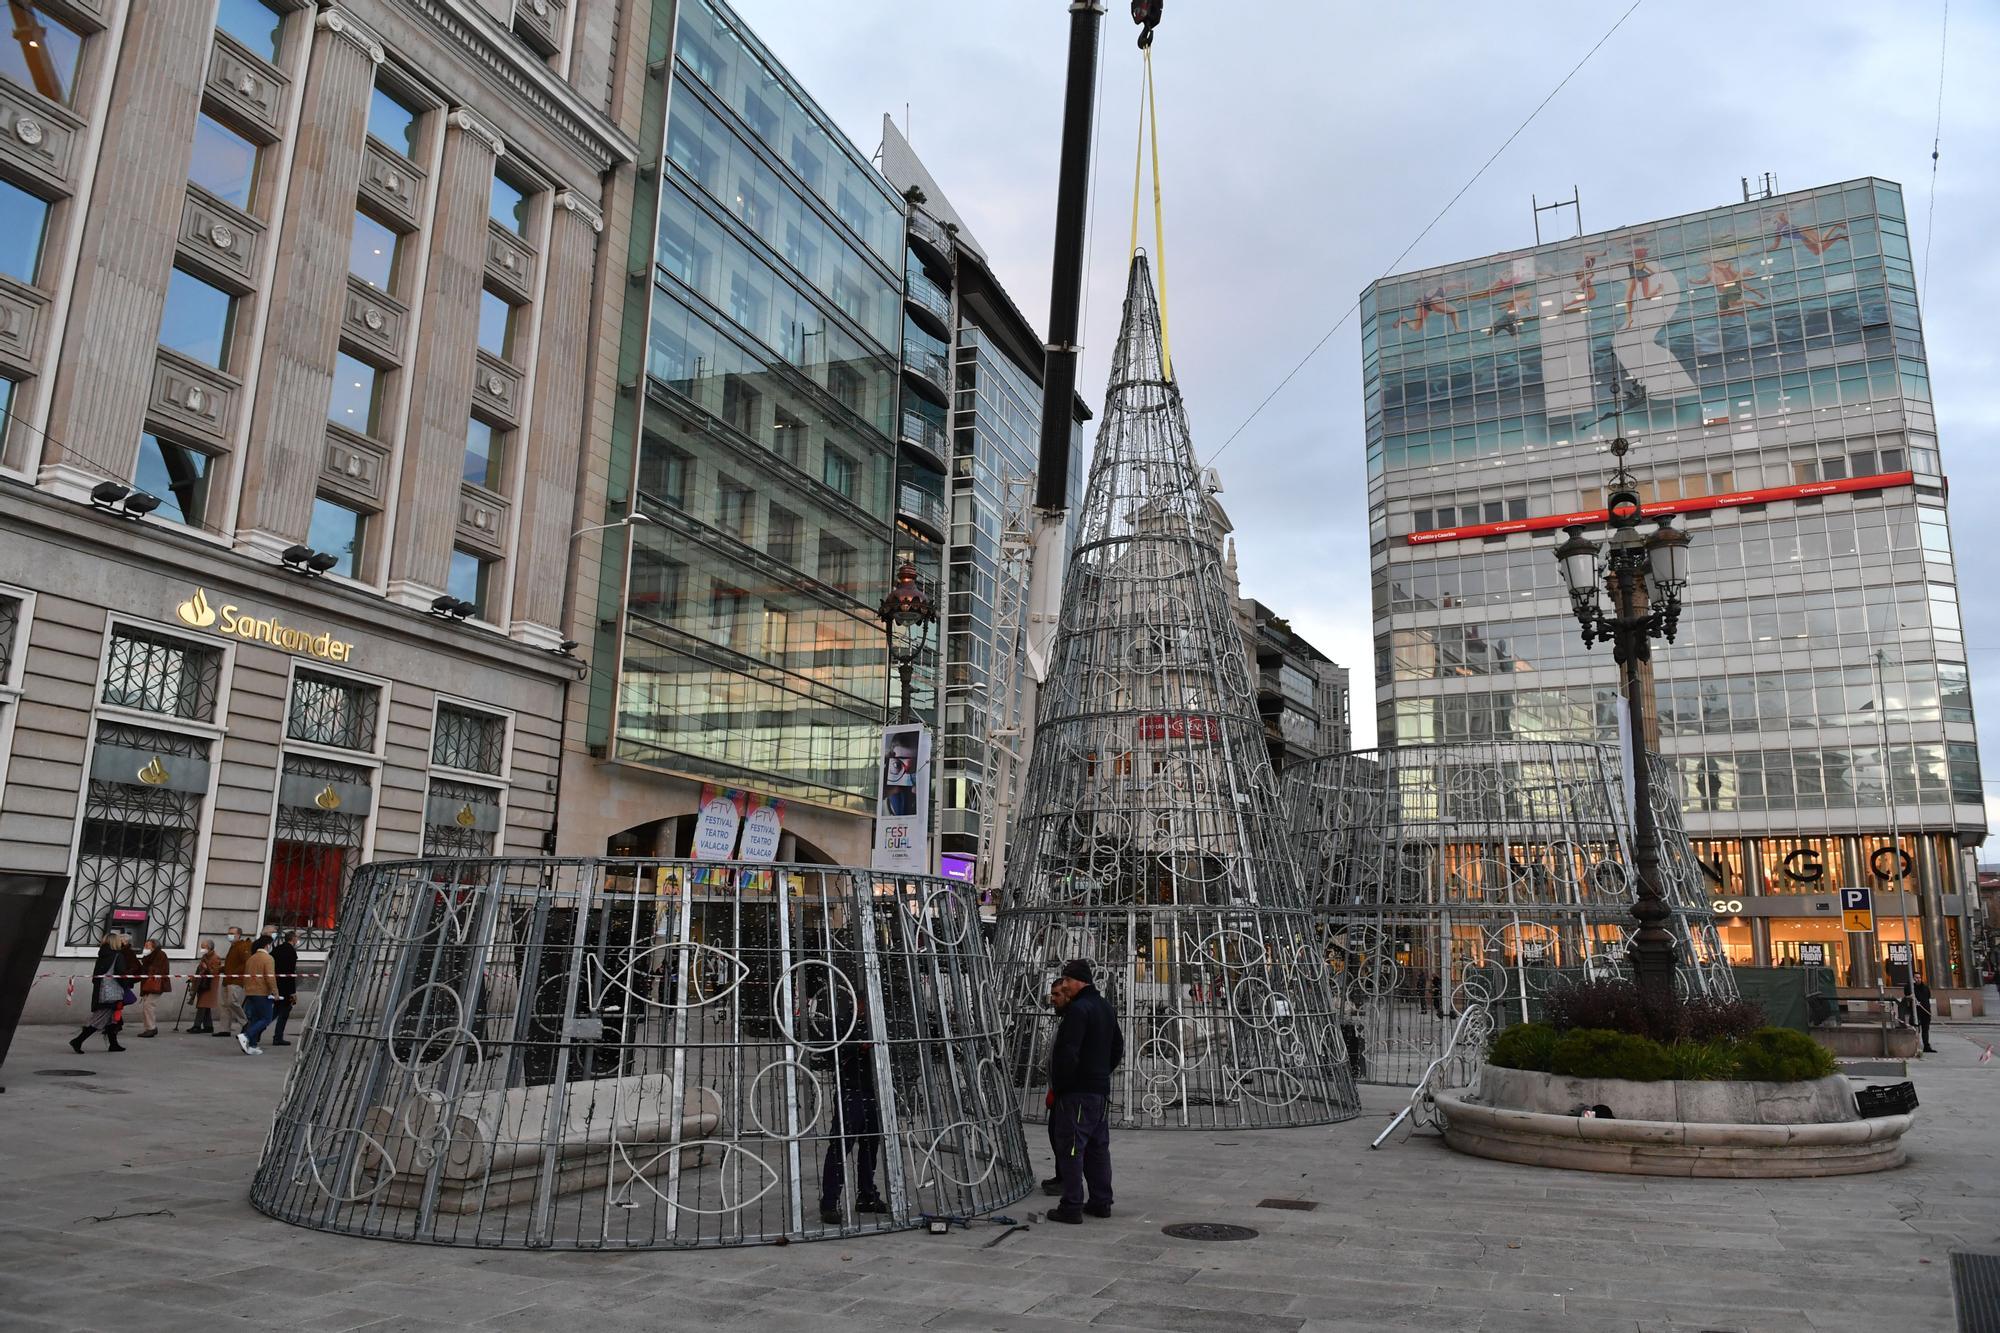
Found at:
[1732, 500]
[1178, 726]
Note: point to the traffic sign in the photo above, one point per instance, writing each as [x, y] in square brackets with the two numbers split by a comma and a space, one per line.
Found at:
[1856, 910]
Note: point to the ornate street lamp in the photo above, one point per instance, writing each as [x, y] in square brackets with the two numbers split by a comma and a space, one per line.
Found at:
[907, 604]
[1644, 575]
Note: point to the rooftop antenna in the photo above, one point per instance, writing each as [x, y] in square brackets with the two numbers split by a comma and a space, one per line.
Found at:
[1766, 186]
[1573, 202]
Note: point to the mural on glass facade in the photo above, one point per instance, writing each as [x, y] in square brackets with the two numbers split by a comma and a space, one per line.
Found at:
[1151, 836]
[1767, 362]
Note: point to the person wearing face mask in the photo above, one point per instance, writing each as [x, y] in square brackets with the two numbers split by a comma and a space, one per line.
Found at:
[111, 977]
[260, 988]
[205, 988]
[285, 957]
[235, 967]
[154, 982]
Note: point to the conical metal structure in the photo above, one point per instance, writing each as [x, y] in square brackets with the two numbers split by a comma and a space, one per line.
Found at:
[1151, 836]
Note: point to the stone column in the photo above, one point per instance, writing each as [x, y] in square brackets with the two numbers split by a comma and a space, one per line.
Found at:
[308, 293]
[442, 362]
[555, 436]
[104, 371]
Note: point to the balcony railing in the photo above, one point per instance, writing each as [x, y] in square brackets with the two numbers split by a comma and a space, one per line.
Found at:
[926, 295]
[922, 506]
[929, 367]
[926, 434]
[930, 231]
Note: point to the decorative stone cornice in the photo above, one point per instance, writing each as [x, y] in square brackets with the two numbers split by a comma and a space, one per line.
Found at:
[343, 24]
[478, 129]
[583, 208]
[494, 51]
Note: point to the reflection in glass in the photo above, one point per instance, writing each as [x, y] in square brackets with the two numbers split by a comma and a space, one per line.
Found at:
[483, 447]
[393, 123]
[372, 254]
[357, 395]
[197, 319]
[496, 324]
[223, 162]
[24, 220]
[338, 530]
[509, 205]
[40, 51]
[178, 475]
[468, 580]
[253, 23]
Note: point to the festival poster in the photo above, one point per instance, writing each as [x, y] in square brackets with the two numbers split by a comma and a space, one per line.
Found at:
[761, 829]
[902, 812]
[716, 824]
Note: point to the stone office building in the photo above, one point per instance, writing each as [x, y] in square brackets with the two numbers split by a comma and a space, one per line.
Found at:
[296, 305]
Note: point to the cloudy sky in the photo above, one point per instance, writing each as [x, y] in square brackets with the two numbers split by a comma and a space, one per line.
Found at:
[1305, 144]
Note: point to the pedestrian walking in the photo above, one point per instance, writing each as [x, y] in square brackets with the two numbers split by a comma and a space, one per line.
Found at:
[205, 987]
[110, 979]
[839, 1026]
[155, 980]
[235, 963]
[1088, 1047]
[260, 988]
[285, 958]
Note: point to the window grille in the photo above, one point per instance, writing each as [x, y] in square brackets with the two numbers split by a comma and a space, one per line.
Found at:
[469, 741]
[157, 674]
[137, 847]
[320, 830]
[326, 710]
[453, 828]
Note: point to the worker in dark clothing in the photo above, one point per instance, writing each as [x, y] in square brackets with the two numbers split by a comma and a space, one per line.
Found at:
[840, 1018]
[1917, 1004]
[1088, 1046]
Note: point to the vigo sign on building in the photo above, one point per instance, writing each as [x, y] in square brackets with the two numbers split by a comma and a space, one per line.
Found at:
[197, 612]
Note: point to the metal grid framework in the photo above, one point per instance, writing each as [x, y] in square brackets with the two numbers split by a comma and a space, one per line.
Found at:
[646, 1055]
[1151, 835]
[1458, 883]
[469, 741]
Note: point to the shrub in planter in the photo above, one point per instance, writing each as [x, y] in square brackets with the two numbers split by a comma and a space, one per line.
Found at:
[1711, 1018]
[1780, 1055]
[1616, 1005]
[1524, 1046]
[1598, 1053]
[1701, 1061]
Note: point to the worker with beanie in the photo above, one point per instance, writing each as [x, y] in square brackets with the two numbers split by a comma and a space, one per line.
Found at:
[1088, 1046]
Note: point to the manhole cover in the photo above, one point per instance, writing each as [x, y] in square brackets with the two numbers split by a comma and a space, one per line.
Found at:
[1295, 1205]
[1209, 1231]
[1975, 1282]
[67, 1073]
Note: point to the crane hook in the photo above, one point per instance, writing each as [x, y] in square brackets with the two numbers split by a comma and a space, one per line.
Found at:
[1146, 13]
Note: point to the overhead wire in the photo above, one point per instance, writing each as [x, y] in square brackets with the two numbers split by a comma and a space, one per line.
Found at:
[1418, 240]
[1937, 137]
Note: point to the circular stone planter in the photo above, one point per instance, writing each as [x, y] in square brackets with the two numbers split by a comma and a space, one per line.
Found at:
[1726, 1129]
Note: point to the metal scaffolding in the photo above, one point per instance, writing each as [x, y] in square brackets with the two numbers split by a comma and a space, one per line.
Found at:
[1150, 837]
[646, 1054]
[1458, 883]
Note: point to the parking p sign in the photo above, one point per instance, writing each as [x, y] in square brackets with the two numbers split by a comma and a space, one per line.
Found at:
[1856, 910]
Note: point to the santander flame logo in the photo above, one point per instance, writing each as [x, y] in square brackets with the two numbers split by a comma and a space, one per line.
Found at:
[195, 612]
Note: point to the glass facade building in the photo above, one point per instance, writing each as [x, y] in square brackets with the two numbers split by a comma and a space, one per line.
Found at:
[750, 653]
[1767, 362]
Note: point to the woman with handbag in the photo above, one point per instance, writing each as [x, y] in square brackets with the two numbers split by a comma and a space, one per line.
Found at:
[204, 989]
[110, 990]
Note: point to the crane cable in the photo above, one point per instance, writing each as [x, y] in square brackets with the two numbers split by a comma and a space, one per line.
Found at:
[1149, 129]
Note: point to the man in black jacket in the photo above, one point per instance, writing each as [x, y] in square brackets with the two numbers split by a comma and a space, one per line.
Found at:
[1088, 1046]
[285, 957]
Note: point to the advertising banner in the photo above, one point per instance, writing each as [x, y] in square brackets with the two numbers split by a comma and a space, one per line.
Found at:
[761, 828]
[902, 807]
[715, 827]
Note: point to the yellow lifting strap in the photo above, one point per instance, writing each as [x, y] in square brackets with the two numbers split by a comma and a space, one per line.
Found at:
[1149, 131]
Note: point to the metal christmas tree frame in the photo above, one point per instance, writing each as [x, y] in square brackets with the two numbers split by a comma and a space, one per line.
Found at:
[654, 1054]
[1151, 837]
[1460, 881]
